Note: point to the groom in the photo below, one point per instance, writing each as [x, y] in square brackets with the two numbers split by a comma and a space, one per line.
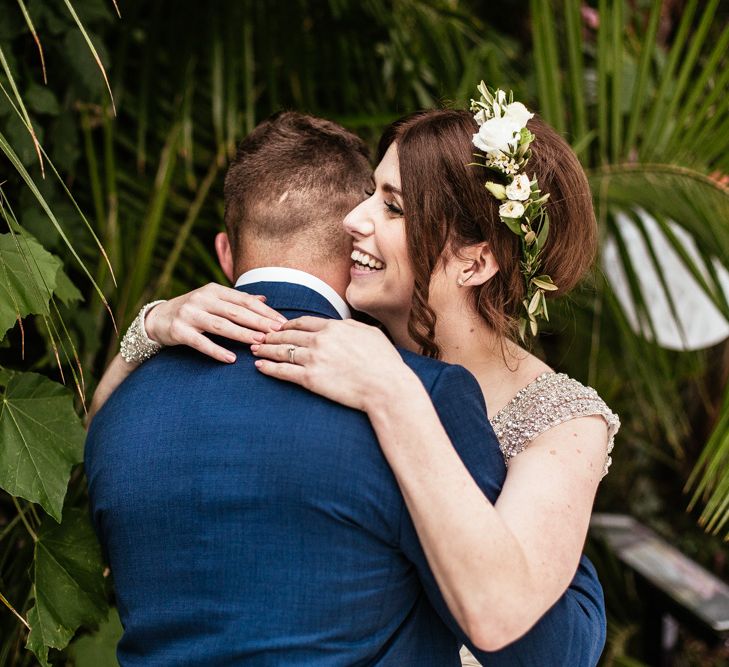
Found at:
[248, 521]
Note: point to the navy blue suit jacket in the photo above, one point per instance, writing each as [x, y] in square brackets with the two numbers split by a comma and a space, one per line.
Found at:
[249, 521]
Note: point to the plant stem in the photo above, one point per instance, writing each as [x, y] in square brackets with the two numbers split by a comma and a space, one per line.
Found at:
[21, 514]
[3, 599]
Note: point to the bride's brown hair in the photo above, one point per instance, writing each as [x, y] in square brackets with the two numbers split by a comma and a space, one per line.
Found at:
[447, 207]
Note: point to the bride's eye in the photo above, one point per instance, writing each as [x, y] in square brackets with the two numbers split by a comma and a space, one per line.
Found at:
[393, 208]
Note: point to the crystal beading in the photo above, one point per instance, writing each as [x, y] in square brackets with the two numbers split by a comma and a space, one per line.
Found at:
[137, 346]
[551, 399]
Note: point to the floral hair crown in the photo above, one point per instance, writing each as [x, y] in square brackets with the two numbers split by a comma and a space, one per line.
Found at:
[504, 139]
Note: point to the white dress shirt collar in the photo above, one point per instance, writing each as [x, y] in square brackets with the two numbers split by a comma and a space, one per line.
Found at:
[282, 274]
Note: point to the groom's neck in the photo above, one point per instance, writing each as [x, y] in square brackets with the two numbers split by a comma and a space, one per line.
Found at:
[336, 275]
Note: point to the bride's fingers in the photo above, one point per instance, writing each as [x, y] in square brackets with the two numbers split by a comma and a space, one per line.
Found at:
[243, 316]
[206, 346]
[298, 338]
[223, 327]
[306, 323]
[288, 372]
[282, 354]
[253, 302]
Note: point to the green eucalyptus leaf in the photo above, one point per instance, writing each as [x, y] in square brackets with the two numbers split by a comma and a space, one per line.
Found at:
[534, 303]
[42, 439]
[543, 232]
[522, 328]
[68, 583]
[545, 311]
[545, 283]
[513, 224]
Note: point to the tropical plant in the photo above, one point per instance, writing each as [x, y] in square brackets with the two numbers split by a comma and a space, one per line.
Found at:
[137, 190]
[658, 117]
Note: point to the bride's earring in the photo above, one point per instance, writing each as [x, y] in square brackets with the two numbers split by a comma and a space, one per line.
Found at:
[461, 282]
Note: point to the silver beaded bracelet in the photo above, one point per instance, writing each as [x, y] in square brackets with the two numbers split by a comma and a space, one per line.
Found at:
[137, 346]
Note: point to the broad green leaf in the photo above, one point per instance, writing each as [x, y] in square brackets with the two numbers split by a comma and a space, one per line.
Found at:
[68, 583]
[98, 648]
[29, 274]
[65, 290]
[42, 100]
[41, 438]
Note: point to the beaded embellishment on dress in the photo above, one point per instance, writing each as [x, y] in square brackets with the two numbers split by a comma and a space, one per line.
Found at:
[551, 399]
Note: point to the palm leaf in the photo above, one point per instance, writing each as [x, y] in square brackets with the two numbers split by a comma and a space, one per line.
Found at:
[655, 151]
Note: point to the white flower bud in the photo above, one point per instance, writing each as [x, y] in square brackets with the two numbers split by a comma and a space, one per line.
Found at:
[496, 189]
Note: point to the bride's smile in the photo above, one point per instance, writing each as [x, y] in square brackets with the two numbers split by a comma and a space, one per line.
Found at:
[381, 276]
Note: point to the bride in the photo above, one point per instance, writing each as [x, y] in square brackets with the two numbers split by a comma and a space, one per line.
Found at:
[455, 256]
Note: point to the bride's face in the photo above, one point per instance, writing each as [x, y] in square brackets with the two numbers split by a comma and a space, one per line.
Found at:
[381, 275]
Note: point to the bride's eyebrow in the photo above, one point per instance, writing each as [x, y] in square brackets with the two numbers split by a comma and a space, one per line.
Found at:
[388, 187]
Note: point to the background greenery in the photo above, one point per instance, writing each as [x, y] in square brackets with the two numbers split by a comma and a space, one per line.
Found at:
[133, 183]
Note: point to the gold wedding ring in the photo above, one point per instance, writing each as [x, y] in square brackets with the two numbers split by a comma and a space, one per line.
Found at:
[292, 354]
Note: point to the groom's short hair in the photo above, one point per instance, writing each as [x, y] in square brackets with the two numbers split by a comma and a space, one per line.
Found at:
[293, 179]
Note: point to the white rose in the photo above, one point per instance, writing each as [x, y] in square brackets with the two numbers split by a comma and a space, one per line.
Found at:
[495, 135]
[518, 113]
[511, 209]
[520, 188]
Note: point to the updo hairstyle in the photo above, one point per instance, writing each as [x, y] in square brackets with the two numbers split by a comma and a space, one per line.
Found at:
[446, 208]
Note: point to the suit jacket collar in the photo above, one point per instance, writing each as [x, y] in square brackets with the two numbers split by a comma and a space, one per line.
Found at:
[284, 274]
[291, 297]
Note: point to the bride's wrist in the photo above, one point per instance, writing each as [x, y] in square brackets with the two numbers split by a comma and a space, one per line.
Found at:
[151, 318]
[390, 391]
[136, 345]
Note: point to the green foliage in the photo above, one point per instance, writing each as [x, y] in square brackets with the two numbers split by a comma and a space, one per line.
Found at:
[68, 583]
[141, 192]
[98, 649]
[42, 440]
[27, 269]
[651, 153]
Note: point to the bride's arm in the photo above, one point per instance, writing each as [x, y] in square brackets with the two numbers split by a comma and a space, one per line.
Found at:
[186, 319]
[500, 567]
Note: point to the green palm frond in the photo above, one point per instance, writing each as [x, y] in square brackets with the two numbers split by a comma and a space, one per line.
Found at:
[661, 120]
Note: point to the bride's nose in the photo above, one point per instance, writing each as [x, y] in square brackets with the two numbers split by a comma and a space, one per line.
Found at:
[358, 222]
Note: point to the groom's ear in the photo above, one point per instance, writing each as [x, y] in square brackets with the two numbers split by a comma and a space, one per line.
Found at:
[480, 264]
[225, 255]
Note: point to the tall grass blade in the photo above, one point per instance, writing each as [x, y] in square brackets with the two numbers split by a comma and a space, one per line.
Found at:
[657, 118]
[92, 48]
[20, 109]
[33, 32]
[640, 98]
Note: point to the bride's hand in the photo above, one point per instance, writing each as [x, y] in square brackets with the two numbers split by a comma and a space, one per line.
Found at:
[214, 309]
[343, 360]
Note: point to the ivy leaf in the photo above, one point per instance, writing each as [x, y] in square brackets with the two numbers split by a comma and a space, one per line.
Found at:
[42, 438]
[68, 583]
[65, 290]
[98, 648]
[30, 276]
[28, 273]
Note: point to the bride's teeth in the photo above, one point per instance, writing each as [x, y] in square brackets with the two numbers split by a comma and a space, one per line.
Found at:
[366, 261]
